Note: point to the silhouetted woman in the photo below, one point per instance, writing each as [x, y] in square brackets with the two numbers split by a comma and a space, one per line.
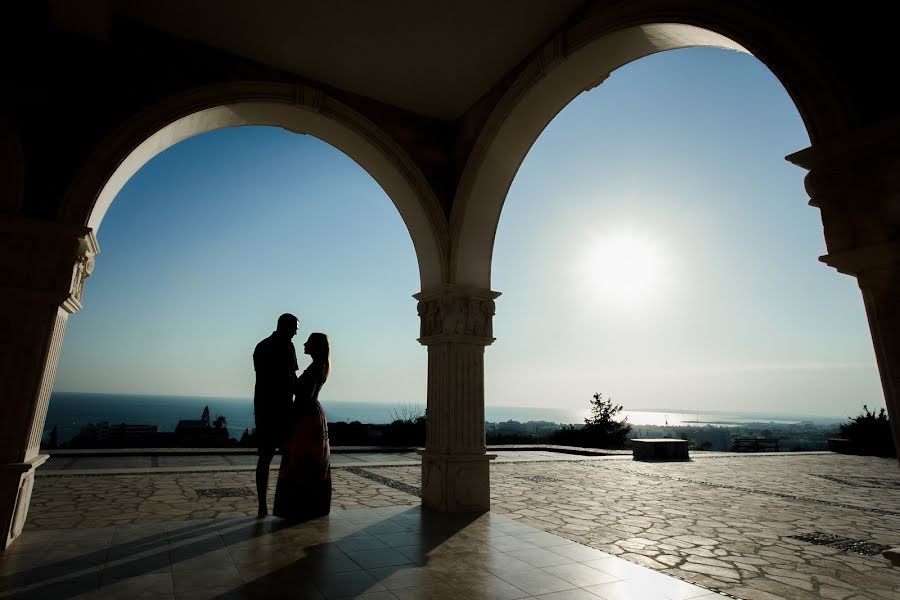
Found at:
[304, 479]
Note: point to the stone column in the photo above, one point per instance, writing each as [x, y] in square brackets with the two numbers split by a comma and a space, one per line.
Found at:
[456, 327]
[43, 267]
[856, 185]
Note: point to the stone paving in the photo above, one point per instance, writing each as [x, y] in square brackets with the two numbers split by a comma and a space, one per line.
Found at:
[720, 521]
[103, 500]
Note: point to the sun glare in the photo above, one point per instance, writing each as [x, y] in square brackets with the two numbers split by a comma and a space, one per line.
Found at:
[626, 268]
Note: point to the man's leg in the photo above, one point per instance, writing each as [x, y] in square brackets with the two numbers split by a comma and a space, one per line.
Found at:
[262, 478]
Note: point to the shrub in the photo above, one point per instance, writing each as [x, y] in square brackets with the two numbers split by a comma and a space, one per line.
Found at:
[870, 433]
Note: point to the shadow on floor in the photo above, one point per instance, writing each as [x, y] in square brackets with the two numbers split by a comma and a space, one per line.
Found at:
[230, 558]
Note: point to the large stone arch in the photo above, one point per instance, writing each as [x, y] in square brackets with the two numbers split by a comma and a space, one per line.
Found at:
[580, 59]
[296, 108]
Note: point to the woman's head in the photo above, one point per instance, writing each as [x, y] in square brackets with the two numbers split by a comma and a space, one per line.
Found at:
[317, 347]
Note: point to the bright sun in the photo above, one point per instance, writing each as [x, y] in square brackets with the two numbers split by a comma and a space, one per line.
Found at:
[625, 268]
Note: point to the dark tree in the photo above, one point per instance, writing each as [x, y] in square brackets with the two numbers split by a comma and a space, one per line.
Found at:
[601, 429]
[220, 421]
[205, 416]
[870, 433]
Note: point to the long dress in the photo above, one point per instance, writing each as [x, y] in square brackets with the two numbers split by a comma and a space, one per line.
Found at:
[304, 480]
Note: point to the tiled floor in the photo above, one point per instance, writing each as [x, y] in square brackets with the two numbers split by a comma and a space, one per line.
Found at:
[721, 521]
[389, 553]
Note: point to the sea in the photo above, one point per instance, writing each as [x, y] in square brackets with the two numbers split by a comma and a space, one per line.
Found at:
[69, 411]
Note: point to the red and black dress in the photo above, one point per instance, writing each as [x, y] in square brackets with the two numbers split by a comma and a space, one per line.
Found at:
[304, 479]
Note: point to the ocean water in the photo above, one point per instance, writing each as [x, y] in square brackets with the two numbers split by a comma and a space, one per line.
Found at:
[70, 411]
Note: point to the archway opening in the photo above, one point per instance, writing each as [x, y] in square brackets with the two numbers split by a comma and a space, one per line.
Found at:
[203, 248]
[655, 242]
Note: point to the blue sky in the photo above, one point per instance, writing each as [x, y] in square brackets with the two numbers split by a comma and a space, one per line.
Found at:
[679, 154]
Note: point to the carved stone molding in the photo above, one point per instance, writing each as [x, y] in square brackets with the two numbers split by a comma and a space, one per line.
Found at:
[46, 261]
[855, 183]
[456, 314]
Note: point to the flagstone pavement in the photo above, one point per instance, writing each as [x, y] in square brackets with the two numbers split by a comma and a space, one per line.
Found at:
[721, 521]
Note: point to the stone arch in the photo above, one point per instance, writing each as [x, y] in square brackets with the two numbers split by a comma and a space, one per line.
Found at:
[295, 108]
[578, 60]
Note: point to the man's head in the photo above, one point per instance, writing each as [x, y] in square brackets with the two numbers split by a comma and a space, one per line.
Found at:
[288, 325]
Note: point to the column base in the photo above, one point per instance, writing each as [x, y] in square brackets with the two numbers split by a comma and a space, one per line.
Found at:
[16, 484]
[456, 482]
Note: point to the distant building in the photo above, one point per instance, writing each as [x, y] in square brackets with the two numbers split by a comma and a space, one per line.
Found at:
[197, 433]
[528, 429]
[512, 428]
[186, 426]
[122, 435]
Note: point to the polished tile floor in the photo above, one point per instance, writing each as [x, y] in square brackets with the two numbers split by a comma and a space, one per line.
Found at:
[389, 553]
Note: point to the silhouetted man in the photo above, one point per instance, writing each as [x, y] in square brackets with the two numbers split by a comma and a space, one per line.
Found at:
[275, 362]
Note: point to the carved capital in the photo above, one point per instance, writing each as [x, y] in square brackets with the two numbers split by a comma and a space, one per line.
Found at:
[855, 183]
[46, 261]
[458, 314]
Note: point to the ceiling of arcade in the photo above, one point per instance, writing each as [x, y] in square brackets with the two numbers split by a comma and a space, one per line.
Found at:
[428, 73]
[432, 58]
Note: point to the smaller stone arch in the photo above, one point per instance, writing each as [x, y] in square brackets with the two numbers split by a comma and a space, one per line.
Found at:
[296, 108]
[576, 60]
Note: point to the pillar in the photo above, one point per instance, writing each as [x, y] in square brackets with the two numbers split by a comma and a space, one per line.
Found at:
[855, 183]
[456, 327]
[43, 267]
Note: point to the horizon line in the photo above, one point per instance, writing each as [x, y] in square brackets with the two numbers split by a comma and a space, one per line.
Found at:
[670, 411]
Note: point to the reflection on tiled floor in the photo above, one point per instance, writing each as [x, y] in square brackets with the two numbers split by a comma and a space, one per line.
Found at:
[387, 553]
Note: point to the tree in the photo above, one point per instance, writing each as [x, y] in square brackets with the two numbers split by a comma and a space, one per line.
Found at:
[220, 421]
[870, 433]
[407, 412]
[204, 418]
[601, 429]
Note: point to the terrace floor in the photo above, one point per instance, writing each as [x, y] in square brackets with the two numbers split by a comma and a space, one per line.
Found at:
[561, 526]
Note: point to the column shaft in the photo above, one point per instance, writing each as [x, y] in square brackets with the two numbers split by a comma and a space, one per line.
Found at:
[456, 327]
[881, 295]
[455, 398]
[42, 271]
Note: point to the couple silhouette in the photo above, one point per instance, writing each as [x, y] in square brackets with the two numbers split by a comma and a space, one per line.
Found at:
[289, 416]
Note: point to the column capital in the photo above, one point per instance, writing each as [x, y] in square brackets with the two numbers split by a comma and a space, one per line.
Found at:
[855, 182]
[456, 314]
[856, 147]
[873, 263]
[45, 261]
